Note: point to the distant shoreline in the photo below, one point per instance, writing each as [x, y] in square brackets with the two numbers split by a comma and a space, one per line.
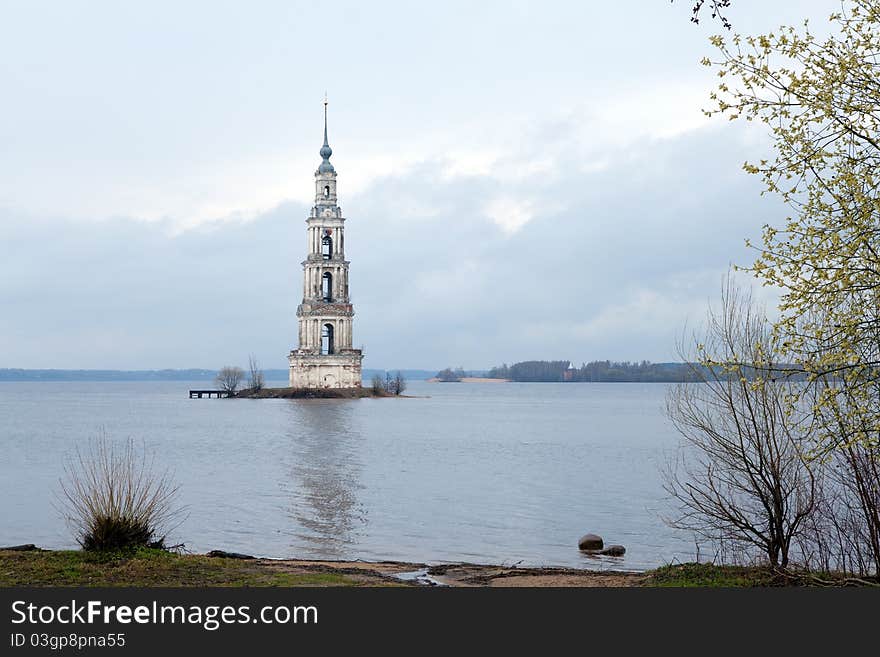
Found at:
[469, 379]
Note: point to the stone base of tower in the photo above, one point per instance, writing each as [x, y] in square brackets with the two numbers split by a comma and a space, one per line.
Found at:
[339, 370]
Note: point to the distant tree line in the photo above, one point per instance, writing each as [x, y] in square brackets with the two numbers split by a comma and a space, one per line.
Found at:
[605, 371]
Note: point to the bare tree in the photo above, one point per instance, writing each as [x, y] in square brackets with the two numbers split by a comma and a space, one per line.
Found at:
[394, 385]
[845, 534]
[743, 476]
[858, 477]
[256, 380]
[399, 383]
[229, 378]
[377, 385]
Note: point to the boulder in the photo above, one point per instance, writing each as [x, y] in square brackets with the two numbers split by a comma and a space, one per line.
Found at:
[590, 542]
[229, 555]
[613, 551]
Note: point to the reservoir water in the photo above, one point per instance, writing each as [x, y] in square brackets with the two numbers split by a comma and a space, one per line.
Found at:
[480, 472]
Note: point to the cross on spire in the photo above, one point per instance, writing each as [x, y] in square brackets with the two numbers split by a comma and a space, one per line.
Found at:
[326, 151]
[325, 120]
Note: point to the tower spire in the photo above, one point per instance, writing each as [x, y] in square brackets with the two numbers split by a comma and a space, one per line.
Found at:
[325, 120]
[326, 151]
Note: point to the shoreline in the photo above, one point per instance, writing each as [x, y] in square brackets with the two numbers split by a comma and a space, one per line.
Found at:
[468, 379]
[29, 566]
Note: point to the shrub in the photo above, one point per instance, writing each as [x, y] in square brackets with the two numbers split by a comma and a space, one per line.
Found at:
[113, 498]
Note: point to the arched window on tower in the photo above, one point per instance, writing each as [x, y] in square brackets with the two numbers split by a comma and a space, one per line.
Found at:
[327, 286]
[327, 247]
[327, 346]
[326, 191]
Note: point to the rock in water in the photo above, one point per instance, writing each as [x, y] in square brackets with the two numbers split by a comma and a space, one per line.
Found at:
[590, 542]
[229, 555]
[613, 551]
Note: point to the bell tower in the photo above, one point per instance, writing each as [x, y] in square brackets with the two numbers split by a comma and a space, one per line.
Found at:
[325, 357]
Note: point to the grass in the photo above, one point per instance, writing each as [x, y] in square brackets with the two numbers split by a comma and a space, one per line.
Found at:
[151, 567]
[710, 575]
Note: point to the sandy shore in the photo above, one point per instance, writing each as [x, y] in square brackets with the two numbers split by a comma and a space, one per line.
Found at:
[470, 575]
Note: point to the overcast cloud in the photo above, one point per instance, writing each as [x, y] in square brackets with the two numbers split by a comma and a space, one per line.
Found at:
[521, 180]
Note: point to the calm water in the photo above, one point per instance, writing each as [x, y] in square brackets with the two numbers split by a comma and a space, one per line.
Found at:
[498, 473]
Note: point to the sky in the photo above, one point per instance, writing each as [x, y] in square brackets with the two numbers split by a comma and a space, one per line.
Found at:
[521, 180]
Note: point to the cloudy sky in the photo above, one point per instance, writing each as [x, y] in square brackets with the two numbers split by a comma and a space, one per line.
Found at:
[522, 180]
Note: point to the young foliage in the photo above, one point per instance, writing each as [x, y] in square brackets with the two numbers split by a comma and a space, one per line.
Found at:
[820, 100]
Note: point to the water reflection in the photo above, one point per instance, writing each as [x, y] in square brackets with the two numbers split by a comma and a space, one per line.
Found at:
[325, 465]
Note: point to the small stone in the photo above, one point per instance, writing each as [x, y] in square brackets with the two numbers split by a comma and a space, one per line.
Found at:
[28, 547]
[590, 542]
[614, 551]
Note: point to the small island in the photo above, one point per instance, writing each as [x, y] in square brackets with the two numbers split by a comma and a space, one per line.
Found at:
[458, 375]
[230, 378]
[310, 393]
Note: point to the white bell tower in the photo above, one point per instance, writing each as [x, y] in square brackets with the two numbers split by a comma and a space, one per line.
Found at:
[325, 357]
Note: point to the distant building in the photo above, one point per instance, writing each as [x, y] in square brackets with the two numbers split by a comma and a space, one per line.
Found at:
[325, 357]
[568, 373]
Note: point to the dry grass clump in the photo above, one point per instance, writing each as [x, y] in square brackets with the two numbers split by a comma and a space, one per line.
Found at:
[114, 498]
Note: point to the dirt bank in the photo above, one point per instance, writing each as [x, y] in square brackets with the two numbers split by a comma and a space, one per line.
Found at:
[469, 575]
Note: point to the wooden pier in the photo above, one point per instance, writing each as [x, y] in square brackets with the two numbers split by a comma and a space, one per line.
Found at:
[198, 394]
